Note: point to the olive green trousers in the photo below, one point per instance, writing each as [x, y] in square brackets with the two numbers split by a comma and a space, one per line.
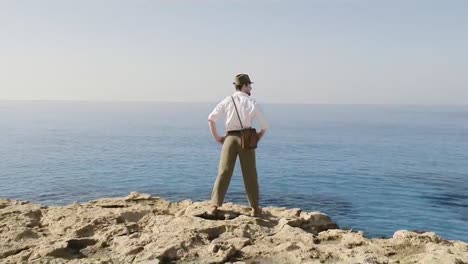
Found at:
[229, 152]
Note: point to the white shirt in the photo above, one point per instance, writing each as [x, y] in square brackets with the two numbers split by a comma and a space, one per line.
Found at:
[248, 110]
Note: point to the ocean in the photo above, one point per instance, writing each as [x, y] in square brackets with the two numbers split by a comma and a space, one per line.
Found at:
[375, 168]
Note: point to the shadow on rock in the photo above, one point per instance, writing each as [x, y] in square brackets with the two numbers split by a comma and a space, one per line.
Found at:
[219, 215]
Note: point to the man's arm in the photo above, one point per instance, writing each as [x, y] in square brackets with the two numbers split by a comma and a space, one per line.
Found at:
[261, 133]
[212, 118]
[262, 120]
[214, 132]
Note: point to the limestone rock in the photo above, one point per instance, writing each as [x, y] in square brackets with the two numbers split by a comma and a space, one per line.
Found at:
[141, 228]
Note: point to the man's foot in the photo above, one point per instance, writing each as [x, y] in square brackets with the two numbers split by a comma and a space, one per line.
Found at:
[256, 212]
[213, 210]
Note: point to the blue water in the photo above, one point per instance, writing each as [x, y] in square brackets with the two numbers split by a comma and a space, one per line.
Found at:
[372, 168]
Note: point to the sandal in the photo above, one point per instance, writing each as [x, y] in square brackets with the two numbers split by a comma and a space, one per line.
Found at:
[256, 212]
[213, 210]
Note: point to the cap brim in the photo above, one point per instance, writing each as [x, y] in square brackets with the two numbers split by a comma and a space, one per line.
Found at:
[239, 84]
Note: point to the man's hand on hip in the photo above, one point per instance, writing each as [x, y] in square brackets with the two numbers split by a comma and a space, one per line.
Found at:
[220, 140]
[261, 134]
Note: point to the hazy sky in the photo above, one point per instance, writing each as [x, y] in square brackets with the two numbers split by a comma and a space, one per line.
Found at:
[324, 51]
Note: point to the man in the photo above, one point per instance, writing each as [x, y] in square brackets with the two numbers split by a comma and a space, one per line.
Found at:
[248, 111]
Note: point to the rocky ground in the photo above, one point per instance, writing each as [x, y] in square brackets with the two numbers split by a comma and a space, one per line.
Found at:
[144, 229]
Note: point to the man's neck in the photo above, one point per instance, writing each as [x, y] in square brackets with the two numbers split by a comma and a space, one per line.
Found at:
[243, 93]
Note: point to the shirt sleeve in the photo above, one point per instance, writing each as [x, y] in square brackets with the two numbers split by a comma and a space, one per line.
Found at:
[261, 118]
[217, 111]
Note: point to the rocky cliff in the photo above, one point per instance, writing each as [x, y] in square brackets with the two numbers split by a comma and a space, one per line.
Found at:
[140, 228]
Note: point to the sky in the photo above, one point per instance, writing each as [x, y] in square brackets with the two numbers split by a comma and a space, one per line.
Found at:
[314, 51]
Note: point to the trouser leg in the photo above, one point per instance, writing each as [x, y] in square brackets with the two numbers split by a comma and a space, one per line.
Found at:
[227, 162]
[249, 172]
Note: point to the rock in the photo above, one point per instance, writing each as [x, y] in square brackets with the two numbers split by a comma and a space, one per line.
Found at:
[213, 248]
[27, 233]
[132, 228]
[417, 237]
[140, 228]
[135, 196]
[288, 246]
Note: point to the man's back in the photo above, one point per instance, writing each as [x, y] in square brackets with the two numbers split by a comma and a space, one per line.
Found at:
[248, 111]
